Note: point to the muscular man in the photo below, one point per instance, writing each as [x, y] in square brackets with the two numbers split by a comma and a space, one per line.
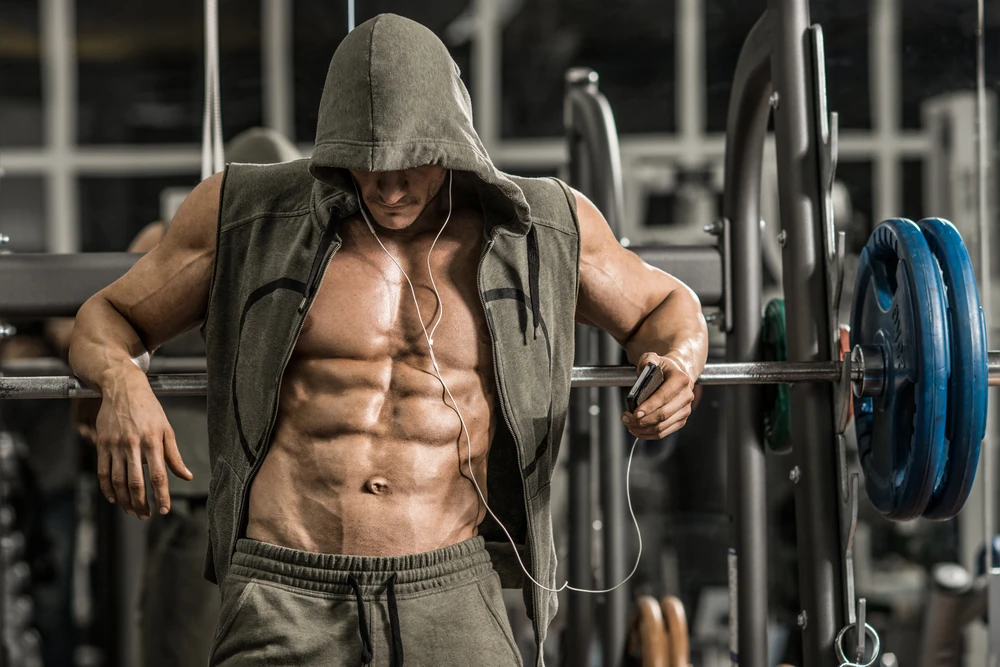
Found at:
[388, 330]
[176, 601]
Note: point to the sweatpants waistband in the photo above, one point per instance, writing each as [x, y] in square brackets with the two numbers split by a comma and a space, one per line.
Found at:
[445, 568]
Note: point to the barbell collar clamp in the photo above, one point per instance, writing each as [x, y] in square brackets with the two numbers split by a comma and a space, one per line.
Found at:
[868, 370]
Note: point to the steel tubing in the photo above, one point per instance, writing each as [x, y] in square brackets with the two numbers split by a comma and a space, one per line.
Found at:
[759, 372]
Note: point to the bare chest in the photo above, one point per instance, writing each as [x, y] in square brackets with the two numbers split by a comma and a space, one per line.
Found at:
[369, 307]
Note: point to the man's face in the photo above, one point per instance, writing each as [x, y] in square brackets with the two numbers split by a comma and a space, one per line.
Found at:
[397, 198]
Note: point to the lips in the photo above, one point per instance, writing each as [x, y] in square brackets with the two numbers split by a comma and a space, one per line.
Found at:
[393, 208]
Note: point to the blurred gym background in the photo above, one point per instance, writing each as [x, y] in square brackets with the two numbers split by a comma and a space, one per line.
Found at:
[101, 107]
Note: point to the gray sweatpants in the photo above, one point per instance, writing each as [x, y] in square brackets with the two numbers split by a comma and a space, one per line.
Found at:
[286, 607]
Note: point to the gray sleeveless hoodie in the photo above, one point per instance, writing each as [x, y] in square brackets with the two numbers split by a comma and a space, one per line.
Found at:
[394, 100]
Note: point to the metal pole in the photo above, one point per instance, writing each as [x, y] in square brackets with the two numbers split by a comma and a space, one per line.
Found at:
[746, 373]
[584, 423]
[821, 586]
[184, 377]
[580, 623]
[70, 387]
[486, 58]
[885, 75]
[58, 33]
[985, 282]
[596, 166]
[276, 51]
[985, 266]
[746, 129]
[55, 366]
[612, 452]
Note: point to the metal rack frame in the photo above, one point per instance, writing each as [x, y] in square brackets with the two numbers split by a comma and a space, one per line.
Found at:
[775, 74]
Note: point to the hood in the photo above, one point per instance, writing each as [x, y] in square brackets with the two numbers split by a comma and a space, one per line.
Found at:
[394, 100]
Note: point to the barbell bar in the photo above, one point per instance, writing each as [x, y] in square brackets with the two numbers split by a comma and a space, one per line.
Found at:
[55, 366]
[756, 372]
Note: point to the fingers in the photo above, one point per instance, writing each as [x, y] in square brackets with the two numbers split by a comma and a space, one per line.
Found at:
[173, 456]
[674, 403]
[119, 481]
[644, 359]
[665, 411]
[136, 480]
[674, 385]
[153, 453]
[660, 430]
[674, 424]
[104, 473]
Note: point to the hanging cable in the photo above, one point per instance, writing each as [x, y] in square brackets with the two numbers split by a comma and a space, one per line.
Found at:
[982, 172]
[212, 156]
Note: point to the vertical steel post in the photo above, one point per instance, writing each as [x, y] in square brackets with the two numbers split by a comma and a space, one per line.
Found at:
[580, 610]
[596, 160]
[746, 129]
[808, 328]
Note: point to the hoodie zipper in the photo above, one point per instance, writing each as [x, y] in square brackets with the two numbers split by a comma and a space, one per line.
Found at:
[304, 307]
[503, 407]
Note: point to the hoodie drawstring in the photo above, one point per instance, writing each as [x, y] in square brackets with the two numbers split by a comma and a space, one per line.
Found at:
[533, 269]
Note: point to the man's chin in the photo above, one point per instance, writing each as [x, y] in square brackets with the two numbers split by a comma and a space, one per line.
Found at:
[395, 222]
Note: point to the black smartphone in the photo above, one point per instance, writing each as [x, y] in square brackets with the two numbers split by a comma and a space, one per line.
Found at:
[649, 381]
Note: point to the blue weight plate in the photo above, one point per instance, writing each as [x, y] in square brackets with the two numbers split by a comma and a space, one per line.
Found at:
[899, 306]
[965, 425]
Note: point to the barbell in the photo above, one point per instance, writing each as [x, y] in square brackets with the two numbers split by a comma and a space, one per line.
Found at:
[756, 372]
[918, 371]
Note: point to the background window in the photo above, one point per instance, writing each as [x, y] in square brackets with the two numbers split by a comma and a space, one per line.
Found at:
[22, 212]
[845, 31]
[114, 209]
[634, 58]
[141, 69]
[21, 116]
[939, 52]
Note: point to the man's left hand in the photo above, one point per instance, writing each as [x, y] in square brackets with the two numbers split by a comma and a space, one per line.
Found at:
[668, 408]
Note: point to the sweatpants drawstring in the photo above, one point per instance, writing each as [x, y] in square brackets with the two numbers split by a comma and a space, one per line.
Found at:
[397, 639]
[366, 641]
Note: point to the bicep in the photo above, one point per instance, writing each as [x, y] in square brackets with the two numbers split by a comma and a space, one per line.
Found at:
[165, 293]
[617, 289]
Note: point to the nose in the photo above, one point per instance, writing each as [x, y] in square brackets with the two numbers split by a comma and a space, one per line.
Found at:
[392, 187]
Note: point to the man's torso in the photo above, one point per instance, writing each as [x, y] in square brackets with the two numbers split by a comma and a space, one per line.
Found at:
[367, 457]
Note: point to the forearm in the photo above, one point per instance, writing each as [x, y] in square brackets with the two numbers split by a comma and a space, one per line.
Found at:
[676, 327]
[106, 351]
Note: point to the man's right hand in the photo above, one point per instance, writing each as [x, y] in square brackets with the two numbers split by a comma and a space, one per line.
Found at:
[132, 430]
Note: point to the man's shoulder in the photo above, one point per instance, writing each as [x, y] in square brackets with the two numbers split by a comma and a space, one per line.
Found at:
[258, 190]
[551, 201]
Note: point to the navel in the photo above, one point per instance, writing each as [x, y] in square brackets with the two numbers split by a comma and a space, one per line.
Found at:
[378, 486]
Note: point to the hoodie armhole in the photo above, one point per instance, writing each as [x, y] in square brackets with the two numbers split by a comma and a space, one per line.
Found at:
[568, 193]
[571, 205]
[218, 245]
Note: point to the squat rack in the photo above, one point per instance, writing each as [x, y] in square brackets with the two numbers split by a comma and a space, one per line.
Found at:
[780, 70]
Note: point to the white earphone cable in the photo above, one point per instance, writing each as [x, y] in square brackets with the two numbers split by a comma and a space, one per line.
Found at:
[429, 337]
